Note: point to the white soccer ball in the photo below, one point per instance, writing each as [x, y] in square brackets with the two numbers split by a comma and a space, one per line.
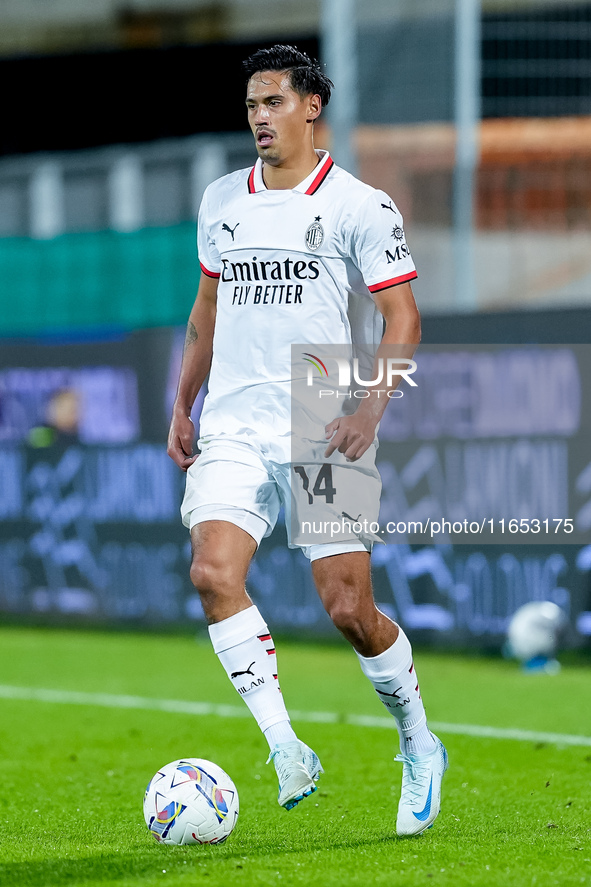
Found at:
[534, 630]
[191, 801]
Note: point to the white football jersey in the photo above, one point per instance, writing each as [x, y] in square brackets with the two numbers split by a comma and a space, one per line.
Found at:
[294, 266]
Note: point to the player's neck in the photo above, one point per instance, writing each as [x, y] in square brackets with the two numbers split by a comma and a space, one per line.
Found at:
[289, 174]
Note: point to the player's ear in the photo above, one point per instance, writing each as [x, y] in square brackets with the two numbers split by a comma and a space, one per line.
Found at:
[314, 108]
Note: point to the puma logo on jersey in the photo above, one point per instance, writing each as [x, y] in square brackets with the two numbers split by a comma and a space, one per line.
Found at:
[388, 206]
[230, 230]
[236, 674]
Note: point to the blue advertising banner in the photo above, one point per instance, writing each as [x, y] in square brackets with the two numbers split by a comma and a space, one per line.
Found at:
[90, 530]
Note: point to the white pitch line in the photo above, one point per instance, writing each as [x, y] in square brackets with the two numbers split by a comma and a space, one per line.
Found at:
[511, 733]
[180, 706]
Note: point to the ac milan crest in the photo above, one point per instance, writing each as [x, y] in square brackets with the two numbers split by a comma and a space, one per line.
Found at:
[314, 235]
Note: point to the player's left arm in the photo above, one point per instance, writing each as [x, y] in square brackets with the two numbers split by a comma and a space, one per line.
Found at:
[353, 435]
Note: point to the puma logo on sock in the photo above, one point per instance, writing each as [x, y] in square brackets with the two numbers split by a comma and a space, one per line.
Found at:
[236, 674]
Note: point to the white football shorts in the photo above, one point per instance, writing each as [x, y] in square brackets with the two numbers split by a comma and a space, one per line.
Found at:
[330, 507]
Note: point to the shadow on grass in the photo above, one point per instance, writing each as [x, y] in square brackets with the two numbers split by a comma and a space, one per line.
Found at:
[186, 861]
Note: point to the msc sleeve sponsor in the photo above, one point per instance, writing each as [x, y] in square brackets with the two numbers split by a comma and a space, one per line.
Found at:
[378, 245]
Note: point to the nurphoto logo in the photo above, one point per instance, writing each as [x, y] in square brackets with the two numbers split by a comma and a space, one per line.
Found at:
[388, 369]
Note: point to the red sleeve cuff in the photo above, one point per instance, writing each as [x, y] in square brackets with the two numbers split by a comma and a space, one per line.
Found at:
[385, 284]
[207, 272]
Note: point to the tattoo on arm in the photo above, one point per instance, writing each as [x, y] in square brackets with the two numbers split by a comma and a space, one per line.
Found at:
[191, 335]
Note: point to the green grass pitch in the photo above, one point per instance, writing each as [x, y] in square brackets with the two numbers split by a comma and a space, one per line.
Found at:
[514, 813]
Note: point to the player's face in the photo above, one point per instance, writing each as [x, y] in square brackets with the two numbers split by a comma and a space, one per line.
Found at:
[279, 118]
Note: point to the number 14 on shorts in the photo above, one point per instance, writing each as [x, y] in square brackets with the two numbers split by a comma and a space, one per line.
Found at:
[323, 484]
[327, 499]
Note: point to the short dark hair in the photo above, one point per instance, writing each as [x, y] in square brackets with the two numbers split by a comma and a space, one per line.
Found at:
[306, 74]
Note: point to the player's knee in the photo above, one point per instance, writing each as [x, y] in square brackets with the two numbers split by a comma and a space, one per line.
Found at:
[350, 619]
[210, 577]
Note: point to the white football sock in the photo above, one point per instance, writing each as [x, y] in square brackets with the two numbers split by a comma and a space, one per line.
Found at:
[393, 676]
[245, 648]
[278, 733]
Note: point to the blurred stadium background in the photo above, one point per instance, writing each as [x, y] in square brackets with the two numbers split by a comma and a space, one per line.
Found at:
[116, 115]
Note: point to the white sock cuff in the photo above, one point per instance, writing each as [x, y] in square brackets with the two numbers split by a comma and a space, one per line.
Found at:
[236, 629]
[410, 727]
[279, 717]
[390, 663]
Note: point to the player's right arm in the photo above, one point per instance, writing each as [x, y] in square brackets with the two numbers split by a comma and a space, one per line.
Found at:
[195, 365]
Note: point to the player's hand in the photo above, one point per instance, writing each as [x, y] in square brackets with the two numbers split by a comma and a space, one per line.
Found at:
[350, 435]
[180, 439]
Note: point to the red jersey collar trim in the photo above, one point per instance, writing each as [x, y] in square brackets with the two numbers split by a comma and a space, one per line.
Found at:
[310, 185]
[251, 180]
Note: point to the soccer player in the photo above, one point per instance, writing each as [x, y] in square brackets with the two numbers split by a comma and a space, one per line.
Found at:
[292, 251]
